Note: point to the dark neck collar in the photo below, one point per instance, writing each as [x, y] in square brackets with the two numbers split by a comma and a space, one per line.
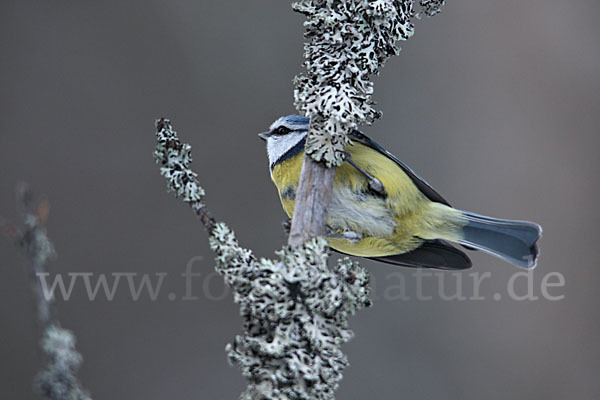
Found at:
[294, 151]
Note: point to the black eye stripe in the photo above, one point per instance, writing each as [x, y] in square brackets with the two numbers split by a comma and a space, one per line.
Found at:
[282, 130]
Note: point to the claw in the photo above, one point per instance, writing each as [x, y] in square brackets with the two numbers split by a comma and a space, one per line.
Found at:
[374, 183]
[349, 236]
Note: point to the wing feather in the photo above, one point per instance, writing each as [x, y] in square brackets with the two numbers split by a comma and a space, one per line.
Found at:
[436, 254]
[419, 182]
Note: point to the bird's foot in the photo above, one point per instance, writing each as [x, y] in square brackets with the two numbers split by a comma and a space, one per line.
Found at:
[374, 183]
[348, 235]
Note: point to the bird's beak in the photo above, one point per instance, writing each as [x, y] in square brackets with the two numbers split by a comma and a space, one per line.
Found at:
[264, 135]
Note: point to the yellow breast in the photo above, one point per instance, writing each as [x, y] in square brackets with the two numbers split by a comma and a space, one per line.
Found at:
[391, 225]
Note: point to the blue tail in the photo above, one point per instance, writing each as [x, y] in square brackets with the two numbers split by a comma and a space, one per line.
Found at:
[513, 241]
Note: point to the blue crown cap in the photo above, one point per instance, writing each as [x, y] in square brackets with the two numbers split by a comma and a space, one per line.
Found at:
[294, 122]
[297, 119]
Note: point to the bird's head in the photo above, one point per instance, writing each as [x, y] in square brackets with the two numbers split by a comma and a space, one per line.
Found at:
[284, 135]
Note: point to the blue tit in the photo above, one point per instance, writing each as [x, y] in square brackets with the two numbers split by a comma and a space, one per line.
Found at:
[381, 209]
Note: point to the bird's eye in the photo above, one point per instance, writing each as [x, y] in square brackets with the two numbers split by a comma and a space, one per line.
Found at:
[282, 130]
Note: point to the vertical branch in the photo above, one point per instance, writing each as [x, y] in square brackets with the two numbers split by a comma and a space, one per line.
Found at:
[312, 198]
[296, 309]
[347, 42]
[58, 381]
[38, 248]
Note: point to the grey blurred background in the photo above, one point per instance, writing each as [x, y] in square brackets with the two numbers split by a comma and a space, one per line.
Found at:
[495, 103]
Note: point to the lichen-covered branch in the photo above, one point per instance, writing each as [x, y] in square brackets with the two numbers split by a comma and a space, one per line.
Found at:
[32, 238]
[347, 42]
[296, 312]
[430, 7]
[295, 309]
[174, 159]
[58, 381]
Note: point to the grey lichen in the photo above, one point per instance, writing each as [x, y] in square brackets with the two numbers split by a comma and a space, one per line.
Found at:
[295, 309]
[348, 42]
[295, 314]
[33, 239]
[58, 380]
[175, 159]
[431, 7]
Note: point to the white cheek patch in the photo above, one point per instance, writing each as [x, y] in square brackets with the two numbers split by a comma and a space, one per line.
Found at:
[278, 145]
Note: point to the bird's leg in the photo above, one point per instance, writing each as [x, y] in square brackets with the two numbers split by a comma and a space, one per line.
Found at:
[374, 183]
[348, 235]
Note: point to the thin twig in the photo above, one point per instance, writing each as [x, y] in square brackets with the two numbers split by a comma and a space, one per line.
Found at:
[58, 381]
[34, 241]
[295, 309]
[175, 158]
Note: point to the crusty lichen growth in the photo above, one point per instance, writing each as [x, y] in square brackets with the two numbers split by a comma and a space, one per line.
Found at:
[295, 312]
[431, 7]
[33, 240]
[175, 159]
[295, 309]
[348, 42]
[58, 381]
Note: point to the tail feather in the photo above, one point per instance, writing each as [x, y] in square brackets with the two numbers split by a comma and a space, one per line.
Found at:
[513, 241]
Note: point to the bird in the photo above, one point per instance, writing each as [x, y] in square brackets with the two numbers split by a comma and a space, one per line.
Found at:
[382, 210]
